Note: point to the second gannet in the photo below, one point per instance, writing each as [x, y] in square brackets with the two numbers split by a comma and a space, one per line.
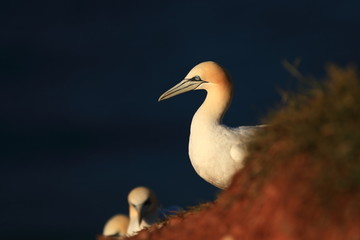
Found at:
[143, 209]
[116, 226]
[215, 150]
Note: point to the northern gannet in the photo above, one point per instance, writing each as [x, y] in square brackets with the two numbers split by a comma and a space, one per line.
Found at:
[143, 209]
[116, 226]
[215, 150]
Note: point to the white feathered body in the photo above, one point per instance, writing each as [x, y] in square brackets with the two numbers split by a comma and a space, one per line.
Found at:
[216, 151]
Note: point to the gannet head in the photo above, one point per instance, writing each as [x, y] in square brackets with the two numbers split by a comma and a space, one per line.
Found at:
[116, 226]
[202, 76]
[142, 203]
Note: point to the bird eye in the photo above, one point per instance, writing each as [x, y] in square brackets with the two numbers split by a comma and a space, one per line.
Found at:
[197, 78]
[147, 202]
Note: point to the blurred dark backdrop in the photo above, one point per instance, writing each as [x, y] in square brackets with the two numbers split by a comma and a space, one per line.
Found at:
[79, 82]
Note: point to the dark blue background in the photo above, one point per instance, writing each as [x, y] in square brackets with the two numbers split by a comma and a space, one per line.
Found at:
[79, 82]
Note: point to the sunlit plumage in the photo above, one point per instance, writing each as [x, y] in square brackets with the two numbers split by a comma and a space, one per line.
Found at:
[116, 226]
[143, 209]
[216, 151]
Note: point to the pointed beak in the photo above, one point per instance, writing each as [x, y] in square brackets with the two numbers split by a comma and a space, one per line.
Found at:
[139, 210]
[140, 219]
[141, 213]
[183, 86]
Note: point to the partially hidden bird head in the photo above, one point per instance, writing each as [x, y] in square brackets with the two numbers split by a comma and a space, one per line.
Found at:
[142, 203]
